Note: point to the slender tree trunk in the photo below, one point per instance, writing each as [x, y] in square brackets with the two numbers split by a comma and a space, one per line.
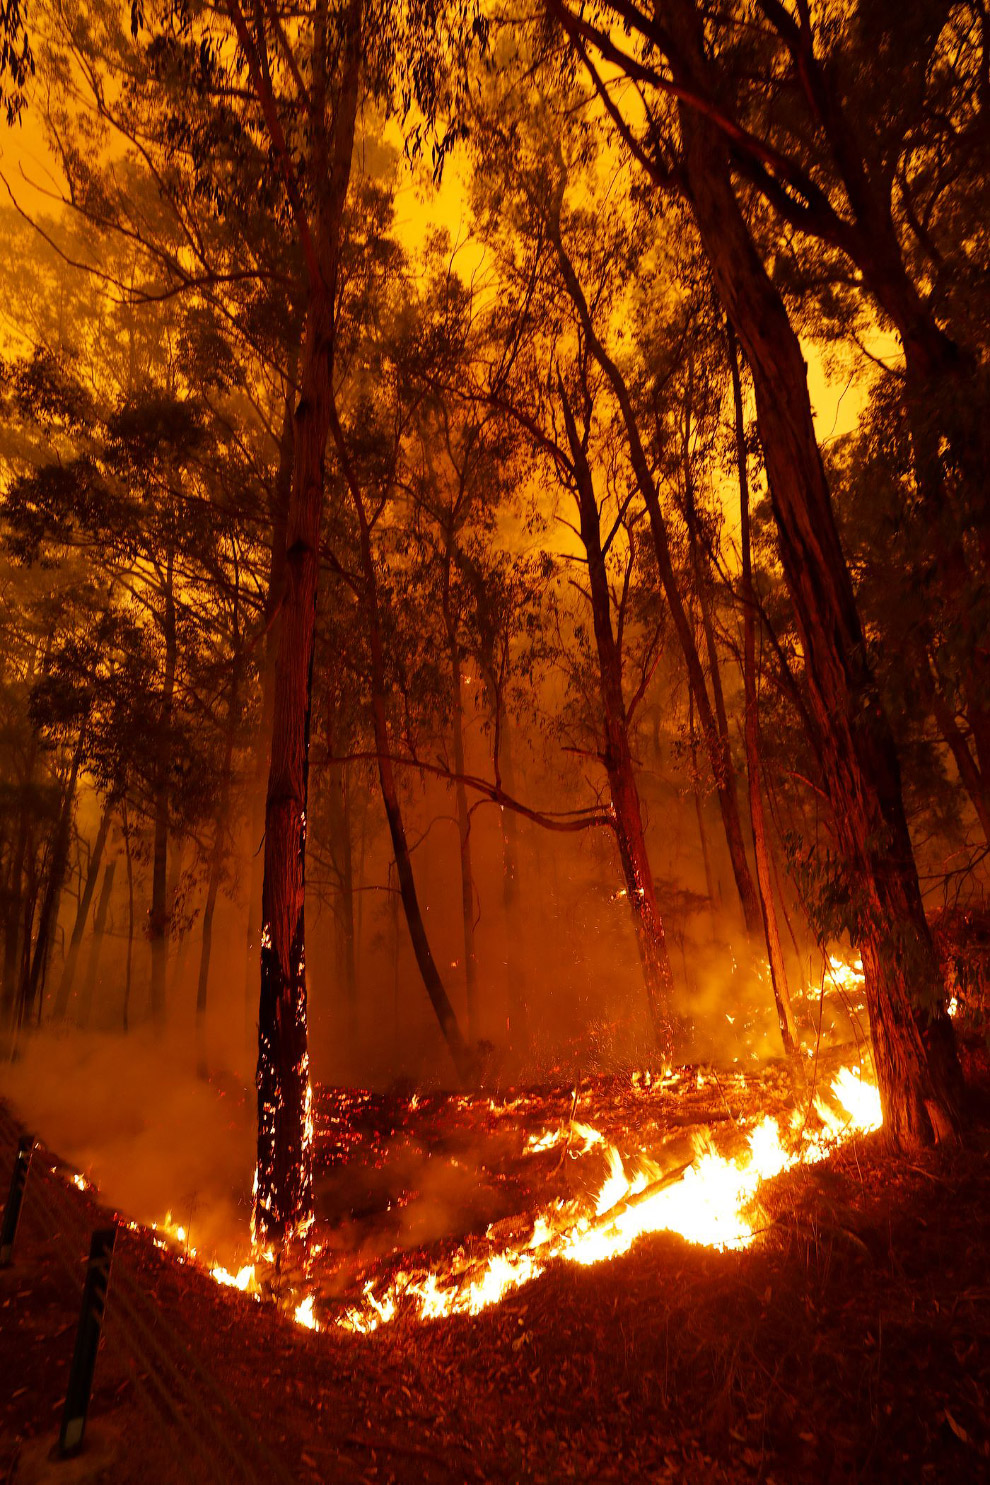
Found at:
[125, 824]
[82, 916]
[220, 840]
[342, 851]
[158, 919]
[714, 903]
[764, 873]
[617, 757]
[731, 818]
[425, 961]
[464, 840]
[914, 1050]
[716, 745]
[970, 774]
[284, 1186]
[515, 958]
[96, 944]
[48, 916]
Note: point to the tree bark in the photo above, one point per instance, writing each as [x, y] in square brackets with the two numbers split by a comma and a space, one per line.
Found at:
[284, 1187]
[914, 1050]
[764, 872]
[279, 513]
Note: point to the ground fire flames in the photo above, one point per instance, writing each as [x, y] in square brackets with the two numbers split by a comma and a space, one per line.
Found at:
[642, 1158]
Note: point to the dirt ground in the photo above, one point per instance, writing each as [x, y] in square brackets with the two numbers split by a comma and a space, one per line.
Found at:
[849, 1344]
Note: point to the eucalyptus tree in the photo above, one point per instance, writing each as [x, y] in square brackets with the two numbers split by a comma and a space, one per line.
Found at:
[686, 146]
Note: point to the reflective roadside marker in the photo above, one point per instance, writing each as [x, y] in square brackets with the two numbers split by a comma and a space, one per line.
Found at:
[15, 1196]
[87, 1341]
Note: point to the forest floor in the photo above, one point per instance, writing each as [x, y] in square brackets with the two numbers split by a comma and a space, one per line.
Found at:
[849, 1343]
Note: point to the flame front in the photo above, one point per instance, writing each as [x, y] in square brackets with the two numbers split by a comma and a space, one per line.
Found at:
[708, 1202]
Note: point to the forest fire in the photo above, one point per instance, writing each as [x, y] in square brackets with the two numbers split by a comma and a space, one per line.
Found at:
[495, 689]
[707, 1200]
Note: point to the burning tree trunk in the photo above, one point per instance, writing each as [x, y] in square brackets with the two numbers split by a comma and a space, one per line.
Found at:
[82, 914]
[617, 757]
[914, 1050]
[764, 874]
[284, 1184]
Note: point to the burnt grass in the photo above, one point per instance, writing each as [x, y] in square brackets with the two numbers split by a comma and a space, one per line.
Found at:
[850, 1343]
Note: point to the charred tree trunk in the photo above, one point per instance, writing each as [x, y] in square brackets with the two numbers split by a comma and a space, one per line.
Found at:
[284, 1187]
[914, 1050]
[82, 916]
[158, 919]
[617, 758]
[764, 872]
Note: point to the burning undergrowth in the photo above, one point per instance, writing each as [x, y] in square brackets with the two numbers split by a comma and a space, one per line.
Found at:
[432, 1204]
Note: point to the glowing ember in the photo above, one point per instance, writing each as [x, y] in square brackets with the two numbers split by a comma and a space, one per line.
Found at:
[708, 1202]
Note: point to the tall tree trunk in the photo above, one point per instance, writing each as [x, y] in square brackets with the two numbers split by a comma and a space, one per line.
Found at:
[284, 1186]
[425, 961]
[220, 841]
[515, 958]
[717, 745]
[914, 1050]
[158, 919]
[971, 775]
[48, 916]
[126, 829]
[342, 852]
[617, 758]
[764, 872]
[279, 514]
[82, 916]
[714, 903]
[96, 945]
[464, 841]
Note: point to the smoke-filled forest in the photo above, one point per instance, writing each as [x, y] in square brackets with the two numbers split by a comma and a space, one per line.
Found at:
[494, 740]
